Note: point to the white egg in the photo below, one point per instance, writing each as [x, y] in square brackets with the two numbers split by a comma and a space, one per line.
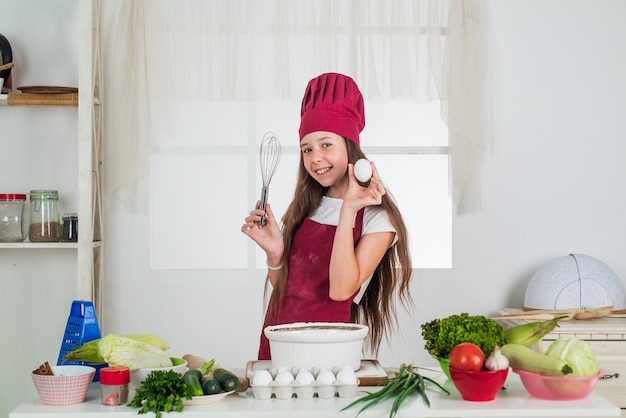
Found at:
[261, 378]
[363, 170]
[305, 377]
[346, 376]
[284, 378]
[326, 377]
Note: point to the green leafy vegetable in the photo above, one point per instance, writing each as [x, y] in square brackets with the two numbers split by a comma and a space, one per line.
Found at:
[442, 335]
[208, 367]
[89, 352]
[162, 391]
[406, 381]
[122, 351]
[577, 353]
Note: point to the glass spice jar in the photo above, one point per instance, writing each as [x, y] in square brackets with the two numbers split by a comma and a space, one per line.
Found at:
[114, 385]
[69, 232]
[13, 217]
[44, 216]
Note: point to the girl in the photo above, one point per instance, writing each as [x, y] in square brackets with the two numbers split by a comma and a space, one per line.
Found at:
[342, 254]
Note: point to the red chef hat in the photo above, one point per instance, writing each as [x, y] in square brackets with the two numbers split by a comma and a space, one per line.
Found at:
[332, 102]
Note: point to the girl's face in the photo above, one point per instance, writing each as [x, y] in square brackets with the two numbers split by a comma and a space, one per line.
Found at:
[325, 158]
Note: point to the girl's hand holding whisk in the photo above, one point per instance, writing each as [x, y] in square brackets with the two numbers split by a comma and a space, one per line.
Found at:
[268, 237]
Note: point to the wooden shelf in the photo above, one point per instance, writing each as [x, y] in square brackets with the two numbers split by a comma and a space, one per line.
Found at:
[42, 245]
[42, 99]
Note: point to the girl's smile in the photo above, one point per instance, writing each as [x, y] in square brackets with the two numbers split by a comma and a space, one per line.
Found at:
[322, 171]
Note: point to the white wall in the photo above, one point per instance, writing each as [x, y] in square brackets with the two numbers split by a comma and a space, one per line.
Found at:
[553, 185]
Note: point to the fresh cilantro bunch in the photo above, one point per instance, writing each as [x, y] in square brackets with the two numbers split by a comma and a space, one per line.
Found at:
[162, 391]
[442, 335]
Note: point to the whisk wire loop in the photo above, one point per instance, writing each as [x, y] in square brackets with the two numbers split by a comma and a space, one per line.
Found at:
[269, 157]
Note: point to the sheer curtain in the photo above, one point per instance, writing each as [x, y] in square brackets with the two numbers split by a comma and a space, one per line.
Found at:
[250, 50]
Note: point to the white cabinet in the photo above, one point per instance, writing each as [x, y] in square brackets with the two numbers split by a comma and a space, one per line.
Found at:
[608, 338]
[89, 147]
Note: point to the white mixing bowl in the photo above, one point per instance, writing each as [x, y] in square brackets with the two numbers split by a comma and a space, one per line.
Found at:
[316, 344]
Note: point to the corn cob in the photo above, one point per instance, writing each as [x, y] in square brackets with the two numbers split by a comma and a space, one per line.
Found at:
[523, 358]
[152, 339]
[90, 351]
[531, 332]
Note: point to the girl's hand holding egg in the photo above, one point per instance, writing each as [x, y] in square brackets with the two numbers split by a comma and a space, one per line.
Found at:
[367, 190]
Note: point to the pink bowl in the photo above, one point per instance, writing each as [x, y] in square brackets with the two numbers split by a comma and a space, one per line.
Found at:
[68, 385]
[478, 386]
[559, 388]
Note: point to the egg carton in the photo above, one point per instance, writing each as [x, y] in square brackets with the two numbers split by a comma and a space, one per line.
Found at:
[319, 387]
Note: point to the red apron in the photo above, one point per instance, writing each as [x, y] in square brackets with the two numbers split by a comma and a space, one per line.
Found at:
[306, 296]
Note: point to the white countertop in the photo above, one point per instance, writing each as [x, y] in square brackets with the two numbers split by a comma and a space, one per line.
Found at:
[512, 402]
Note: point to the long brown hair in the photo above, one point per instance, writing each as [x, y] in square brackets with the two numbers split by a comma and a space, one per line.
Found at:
[390, 279]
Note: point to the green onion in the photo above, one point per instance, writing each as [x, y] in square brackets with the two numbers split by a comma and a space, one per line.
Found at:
[406, 381]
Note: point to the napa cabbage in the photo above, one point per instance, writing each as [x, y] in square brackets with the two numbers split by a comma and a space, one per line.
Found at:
[122, 351]
[577, 353]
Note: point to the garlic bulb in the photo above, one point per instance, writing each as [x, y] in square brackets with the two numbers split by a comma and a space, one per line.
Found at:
[497, 360]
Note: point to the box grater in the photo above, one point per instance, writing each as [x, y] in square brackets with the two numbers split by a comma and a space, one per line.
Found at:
[82, 327]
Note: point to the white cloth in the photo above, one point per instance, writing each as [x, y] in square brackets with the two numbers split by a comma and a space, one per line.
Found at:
[256, 51]
[375, 219]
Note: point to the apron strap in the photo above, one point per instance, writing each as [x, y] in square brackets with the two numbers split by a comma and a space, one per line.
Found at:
[358, 226]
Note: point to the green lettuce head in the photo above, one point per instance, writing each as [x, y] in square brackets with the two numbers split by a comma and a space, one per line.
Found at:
[577, 353]
[442, 335]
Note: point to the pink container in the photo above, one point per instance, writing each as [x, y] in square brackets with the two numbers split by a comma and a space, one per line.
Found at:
[559, 388]
[68, 385]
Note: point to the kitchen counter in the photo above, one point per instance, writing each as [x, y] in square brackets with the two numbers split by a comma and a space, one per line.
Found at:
[512, 402]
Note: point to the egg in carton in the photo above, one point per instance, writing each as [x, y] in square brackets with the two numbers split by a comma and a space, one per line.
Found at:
[284, 383]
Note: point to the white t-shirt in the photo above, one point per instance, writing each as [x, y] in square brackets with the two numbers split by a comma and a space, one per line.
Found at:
[375, 219]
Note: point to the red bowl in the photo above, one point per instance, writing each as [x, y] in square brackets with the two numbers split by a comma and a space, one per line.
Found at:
[558, 388]
[478, 386]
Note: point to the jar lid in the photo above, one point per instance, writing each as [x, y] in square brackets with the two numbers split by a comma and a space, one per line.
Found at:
[114, 375]
[12, 196]
[44, 194]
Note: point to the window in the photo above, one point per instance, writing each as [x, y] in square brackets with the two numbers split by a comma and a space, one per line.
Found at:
[207, 178]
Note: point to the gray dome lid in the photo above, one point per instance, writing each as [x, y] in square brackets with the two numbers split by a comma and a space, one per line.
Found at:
[576, 281]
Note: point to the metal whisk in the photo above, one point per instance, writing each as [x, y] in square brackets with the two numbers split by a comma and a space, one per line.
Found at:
[269, 156]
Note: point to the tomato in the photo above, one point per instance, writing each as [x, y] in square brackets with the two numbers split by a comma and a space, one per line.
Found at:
[467, 356]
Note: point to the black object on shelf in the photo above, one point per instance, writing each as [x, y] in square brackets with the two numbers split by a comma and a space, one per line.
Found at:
[6, 58]
[70, 228]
